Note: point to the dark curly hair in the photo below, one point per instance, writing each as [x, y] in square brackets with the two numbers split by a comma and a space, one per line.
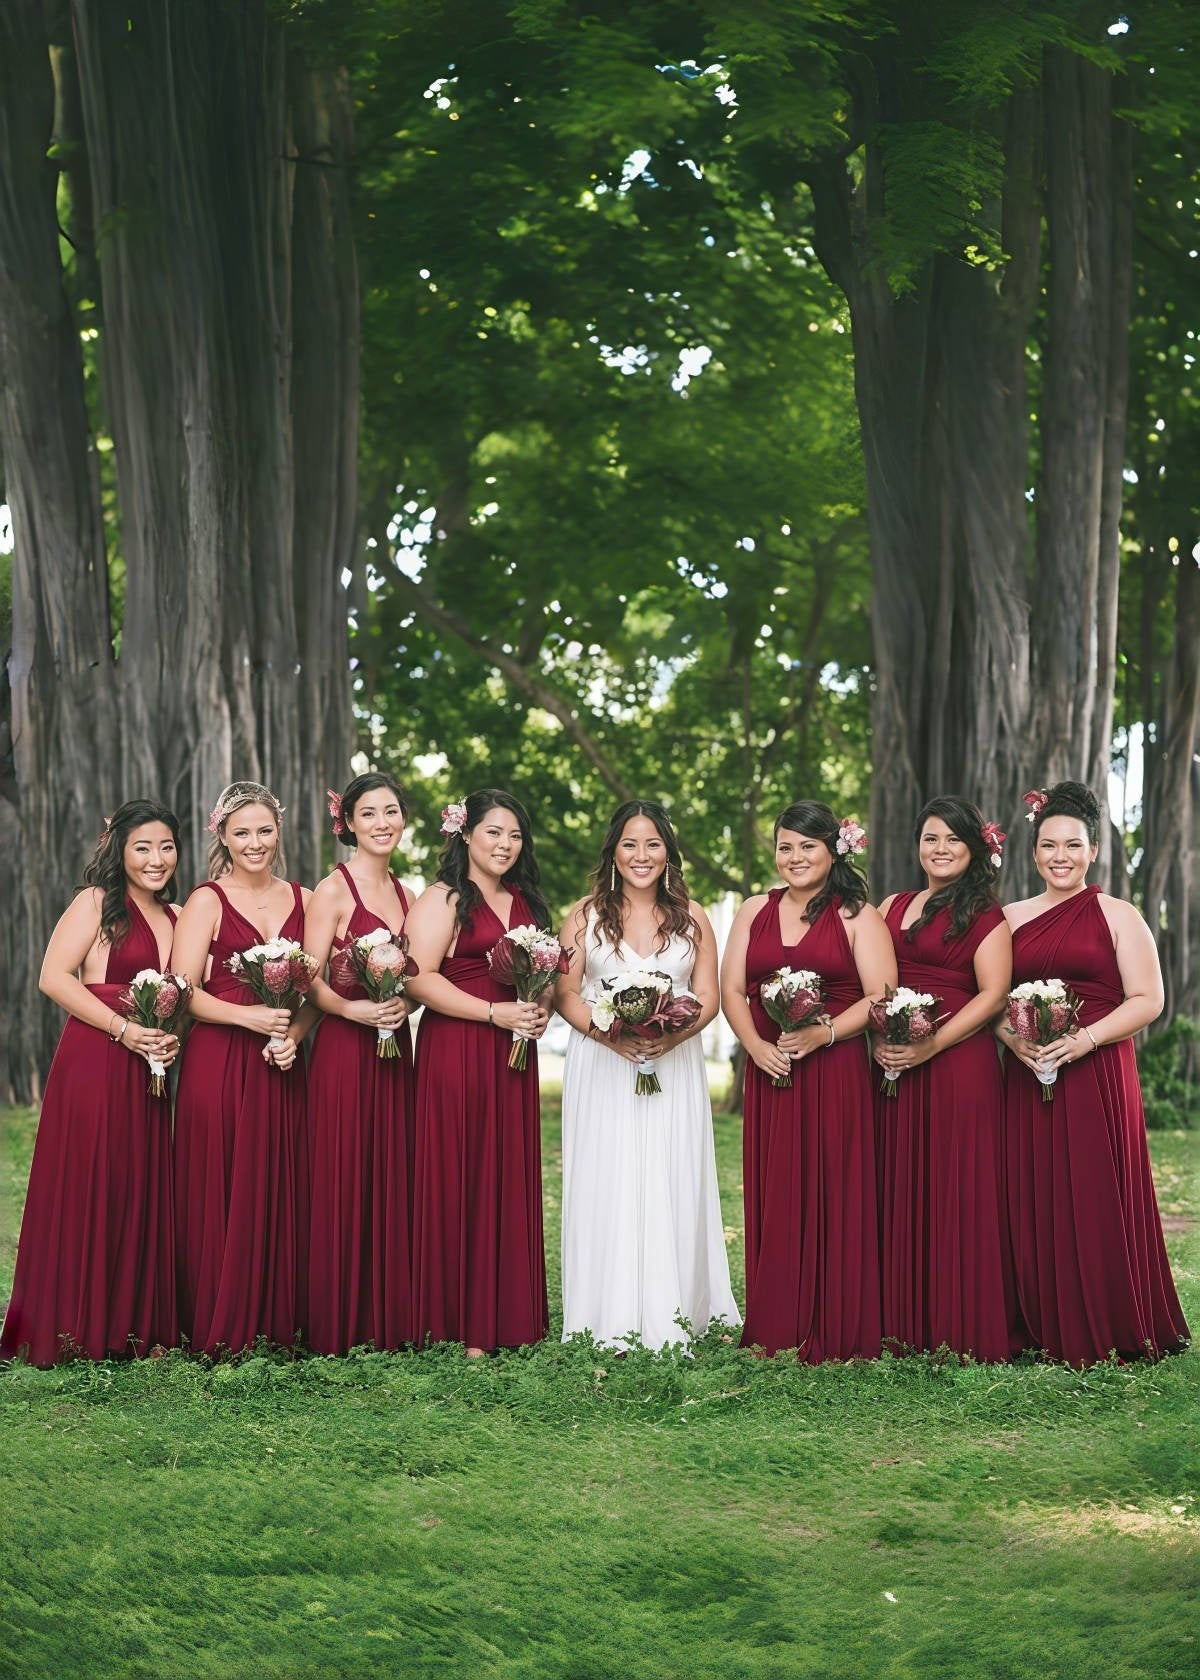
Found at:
[814, 819]
[672, 904]
[106, 869]
[975, 888]
[1071, 799]
[355, 790]
[524, 875]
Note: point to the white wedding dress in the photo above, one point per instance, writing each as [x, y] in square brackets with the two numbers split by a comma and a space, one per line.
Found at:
[642, 1239]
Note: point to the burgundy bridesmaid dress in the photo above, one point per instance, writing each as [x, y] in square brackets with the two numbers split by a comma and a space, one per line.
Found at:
[1091, 1266]
[812, 1236]
[360, 1112]
[479, 1271]
[96, 1261]
[241, 1168]
[947, 1272]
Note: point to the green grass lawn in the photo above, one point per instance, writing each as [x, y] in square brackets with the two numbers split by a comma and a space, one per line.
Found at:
[558, 1513]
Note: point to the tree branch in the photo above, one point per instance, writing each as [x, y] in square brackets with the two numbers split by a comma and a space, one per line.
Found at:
[526, 682]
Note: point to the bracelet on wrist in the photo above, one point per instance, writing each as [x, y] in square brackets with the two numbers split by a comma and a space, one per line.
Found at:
[491, 1018]
[117, 1037]
[1091, 1036]
[832, 1036]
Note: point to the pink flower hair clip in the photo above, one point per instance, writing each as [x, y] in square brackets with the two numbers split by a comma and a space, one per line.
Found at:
[454, 819]
[1035, 799]
[851, 838]
[993, 838]
[335, 810]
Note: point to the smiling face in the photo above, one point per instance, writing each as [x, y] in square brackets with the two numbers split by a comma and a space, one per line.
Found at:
[150, 857]
[641, 853]
[251, 836]
[494, 844]
[944, 857]
[1063, 854]
[377, 822]
[804, 863]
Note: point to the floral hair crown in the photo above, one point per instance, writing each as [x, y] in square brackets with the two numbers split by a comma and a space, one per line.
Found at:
[241, 793]
[1035, 799]
[454, 819]
[335, 811]
[851, 838]
[993, 839]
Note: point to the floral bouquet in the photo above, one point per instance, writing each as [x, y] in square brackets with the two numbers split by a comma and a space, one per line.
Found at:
[278, 972]
[643, 1003]
[528, 958]
[1040, 1011]
[153, 999]
[379, 960]
[903, 1017]
[792, 997]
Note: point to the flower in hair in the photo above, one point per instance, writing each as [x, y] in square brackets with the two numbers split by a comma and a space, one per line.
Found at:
[454, 819]
[335, 809]
[851, 838]
[1035, 799]
[993, 839]
[238, 795]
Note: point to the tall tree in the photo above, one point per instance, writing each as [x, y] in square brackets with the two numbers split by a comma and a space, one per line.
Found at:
[216, 169]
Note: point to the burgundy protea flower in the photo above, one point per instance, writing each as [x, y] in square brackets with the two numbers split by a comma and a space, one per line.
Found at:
[276, 973]
[167, 1001]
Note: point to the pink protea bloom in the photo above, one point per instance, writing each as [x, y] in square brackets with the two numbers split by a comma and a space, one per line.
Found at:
[385, 959]
[276, 973]
[166, 1002]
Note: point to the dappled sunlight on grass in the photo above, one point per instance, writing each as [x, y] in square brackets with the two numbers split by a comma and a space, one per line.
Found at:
[556, 1512]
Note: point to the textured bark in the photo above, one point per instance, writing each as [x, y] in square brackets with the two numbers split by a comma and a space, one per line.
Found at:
[211, 221]
[940, 383]
[182, 117]
[1085, 392]
[61, 689]
[325, 355]
[995, 652]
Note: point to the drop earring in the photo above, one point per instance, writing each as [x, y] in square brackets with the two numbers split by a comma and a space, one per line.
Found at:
[612, 885]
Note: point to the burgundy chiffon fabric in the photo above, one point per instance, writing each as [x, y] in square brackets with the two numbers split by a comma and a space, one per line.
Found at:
[241, 1167]
[360, 1110]
[96, 1261]
[812, 1240]
[479, 1266]
[1091, 1266]
[947, 1271]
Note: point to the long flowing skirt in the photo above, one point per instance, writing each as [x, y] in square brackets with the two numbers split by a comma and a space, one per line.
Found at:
[643, 1243]
[95, 1265]
[241, 1193]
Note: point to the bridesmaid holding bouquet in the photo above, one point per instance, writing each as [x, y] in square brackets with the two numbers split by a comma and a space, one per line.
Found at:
[812, 1239]
[479, 1271]
[1091, 1266]
[95, 1265]
[360, 1103]
[947, 1277]
[241, 1155]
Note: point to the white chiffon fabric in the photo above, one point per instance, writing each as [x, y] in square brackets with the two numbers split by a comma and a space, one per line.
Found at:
[642, 1239]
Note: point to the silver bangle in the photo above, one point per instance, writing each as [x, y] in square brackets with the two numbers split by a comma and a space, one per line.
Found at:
[832, 1037]
[1090, 1034]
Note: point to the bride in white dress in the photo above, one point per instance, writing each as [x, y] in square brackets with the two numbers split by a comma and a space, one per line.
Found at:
[642, 1239]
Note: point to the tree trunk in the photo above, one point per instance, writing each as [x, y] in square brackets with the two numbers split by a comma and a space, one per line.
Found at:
[940, 382]
[1085, 392]
[61, 687]
[325, 347]
[233, 655]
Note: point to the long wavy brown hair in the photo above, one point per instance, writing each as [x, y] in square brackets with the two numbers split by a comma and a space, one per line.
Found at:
[672, 906]
[106, 869]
